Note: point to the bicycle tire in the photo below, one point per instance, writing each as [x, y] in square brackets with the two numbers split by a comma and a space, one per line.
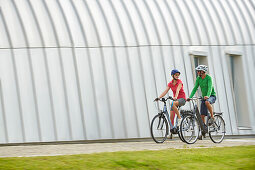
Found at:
[159, 123]
[189, 123]
[218, 125]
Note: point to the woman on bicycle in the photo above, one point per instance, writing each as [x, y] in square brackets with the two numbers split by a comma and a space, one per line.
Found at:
[176, 86]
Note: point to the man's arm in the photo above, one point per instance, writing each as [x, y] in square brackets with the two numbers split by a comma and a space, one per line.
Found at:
[209, 91]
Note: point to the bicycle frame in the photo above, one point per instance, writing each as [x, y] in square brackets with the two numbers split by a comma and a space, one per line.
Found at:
[198, 115]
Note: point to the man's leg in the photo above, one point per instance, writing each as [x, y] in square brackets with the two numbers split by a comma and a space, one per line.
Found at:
[203, 111]
[210, 108]
[209, 103]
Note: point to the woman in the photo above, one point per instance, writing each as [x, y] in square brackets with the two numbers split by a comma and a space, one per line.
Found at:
[176, 86]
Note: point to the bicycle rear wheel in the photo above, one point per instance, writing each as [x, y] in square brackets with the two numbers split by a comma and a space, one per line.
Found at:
[159, 128]
[189, 129]
[217, 129]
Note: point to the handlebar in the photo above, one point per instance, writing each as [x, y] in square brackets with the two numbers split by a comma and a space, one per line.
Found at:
[165, 99]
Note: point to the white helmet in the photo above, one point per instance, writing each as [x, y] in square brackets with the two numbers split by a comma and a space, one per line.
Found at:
[202, 68]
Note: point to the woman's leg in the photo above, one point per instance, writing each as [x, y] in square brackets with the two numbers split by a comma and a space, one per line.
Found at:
[172, 114]
[175, 109]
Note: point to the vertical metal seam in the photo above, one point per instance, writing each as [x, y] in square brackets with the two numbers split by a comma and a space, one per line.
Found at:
[114, 56]
[194, 22]
[94, 91]
[184, 21]
[245, 20]
[237, 21]
[75, 67]
[61, 67]
[211, 21]
[148, 40]
[3, 111]
[22, 27]
[1, 92]
[228, 20]
[98, 40]
[245, 3]
[85, 42]
[118, 75]
[220, 21]
[90, 67]
[164, 21]
[15, 77]
[46, 66]
[160, 41]
[139, 55]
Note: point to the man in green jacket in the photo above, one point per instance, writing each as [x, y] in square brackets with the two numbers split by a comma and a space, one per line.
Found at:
[205, 82]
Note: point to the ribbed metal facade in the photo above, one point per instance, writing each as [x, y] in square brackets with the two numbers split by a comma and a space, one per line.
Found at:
[90, 69]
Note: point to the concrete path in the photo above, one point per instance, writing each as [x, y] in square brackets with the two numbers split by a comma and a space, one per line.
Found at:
[70, 149]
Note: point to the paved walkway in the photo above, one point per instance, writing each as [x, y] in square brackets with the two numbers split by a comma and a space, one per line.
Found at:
[70, 149]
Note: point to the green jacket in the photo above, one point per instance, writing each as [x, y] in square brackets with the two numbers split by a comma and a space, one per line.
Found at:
[206, 86]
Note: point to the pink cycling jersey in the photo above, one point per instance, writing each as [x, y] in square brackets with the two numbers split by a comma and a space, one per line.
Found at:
[174, 87]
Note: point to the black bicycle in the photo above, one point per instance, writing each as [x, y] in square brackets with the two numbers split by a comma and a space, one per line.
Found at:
[192, 125]
[161, 122]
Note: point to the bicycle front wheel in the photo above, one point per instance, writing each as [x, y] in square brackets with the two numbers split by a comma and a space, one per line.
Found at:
[217, 129]
[189, 129]
[159, 128]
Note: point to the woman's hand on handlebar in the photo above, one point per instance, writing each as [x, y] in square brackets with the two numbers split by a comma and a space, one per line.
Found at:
[157, 99]
[188, 99]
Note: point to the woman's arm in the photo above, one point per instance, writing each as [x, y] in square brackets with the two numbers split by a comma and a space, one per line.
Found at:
[178, 90]
[164, 93]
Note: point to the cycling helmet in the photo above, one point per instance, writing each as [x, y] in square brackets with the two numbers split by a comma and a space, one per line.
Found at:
[202, 68]
[174, 71]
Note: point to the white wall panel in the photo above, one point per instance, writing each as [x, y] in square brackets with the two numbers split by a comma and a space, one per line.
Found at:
[101, 92]
[139, 92]
[88, 87]
[26, 15]
[58, 22]
[14, 119]
[41, 15]
[73, 23]
[27, 95]
[100, 23]
[4, 42]
[137, 22]
[60, 110]
[73, 100]
[113, 84]
[13, 24]
[126, 90]
[125, 22]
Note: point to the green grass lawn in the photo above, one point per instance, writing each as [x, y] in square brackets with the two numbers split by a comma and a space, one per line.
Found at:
[241, 157]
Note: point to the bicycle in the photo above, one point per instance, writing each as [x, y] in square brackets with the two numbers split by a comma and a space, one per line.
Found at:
[161, 122]
[193, 121]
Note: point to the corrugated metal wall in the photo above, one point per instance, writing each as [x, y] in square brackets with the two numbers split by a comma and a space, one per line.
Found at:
[90, 69]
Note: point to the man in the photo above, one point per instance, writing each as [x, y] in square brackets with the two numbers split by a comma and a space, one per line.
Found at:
[205, 82]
